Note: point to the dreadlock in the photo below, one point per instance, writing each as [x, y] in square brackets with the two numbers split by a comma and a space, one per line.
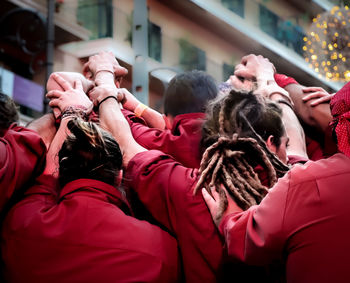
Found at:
[233, 136]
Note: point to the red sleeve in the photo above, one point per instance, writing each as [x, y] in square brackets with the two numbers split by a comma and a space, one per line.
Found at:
[283, 80]
[160, 182]
[183, 147]
[256, 236]
[22, 157]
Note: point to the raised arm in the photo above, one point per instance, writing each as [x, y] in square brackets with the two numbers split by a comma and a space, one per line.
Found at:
[71, 101]
[307, 105]
[112, 119]
[262, 71]
[102, 68]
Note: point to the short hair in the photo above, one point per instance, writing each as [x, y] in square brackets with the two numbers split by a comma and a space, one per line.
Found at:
[189, 92]
[8, 112]
[89, 152]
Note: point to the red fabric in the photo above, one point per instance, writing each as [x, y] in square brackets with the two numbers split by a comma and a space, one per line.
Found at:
[302, 221]
[283, 80]
[22, 157]
[83, 236]
[165, 187]
[340, 109]
[182, 141]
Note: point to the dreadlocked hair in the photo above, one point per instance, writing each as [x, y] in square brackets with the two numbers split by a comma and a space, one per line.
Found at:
[233, 148]
[89, 152]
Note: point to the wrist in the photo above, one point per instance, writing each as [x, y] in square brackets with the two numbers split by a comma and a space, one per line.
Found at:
[140, 109]
[107, 100]
[104, 77]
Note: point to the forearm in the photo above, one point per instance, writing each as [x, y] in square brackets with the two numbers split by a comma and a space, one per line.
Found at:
[316, 116]
[112, 119]
[294, 130]
[56, 144]
[45, 127]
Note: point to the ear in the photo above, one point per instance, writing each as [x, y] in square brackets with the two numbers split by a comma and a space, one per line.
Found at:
[270, 144]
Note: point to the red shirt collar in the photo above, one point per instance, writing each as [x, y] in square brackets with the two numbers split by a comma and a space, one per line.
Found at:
[179, 118]
[99, 190]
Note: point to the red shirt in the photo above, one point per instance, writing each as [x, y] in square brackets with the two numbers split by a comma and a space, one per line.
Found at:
[302, 221]
[85, 235]
[181, 141]
[165, 187]
[22, 157]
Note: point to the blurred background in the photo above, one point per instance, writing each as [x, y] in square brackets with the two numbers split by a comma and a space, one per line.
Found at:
[156, 39]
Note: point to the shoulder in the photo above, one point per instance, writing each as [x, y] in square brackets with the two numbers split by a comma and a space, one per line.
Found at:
[324, 168]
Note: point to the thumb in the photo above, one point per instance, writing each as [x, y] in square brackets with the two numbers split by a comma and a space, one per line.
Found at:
[211, 203]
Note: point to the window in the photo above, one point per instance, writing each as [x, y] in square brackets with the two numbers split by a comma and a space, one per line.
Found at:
[97, 17]
[236, 6]
[191, 57]
[154, 42]
[268, 21]
[227, 71]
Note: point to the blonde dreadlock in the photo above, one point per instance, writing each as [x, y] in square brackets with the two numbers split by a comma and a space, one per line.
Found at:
[234, 148]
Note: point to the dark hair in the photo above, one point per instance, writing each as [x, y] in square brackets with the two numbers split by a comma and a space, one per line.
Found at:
[233, 139]
[89, 152]
[8, 112]
[189, 92]
[264, 117]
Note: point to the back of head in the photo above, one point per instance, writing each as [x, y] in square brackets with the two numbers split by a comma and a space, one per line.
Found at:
[8, 112]
[244, 113]
[233, 139]
[89, 152]
[189, 92]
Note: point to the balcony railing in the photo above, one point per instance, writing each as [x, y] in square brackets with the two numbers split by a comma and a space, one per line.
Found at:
[285, 31]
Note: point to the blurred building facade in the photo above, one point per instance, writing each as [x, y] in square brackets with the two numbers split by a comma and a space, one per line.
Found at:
[210, 35]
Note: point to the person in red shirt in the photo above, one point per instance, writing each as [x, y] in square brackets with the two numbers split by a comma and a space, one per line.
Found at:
[184, 105]
[22, 152]
[302, 221]
[83, 229]
[166, 187]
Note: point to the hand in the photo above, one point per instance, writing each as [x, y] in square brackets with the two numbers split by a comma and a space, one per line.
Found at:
[214, 204]
[69, 96]
[241, 84]
[98, 93]
[317, 94]
[103, 61]
[254, 67]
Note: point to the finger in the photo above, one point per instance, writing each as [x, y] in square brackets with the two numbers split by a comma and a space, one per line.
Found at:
[120, 71]
[54, 103]
[239, 67]
[86, 71]
[215, 194]
[56, 112]
[246, 58]
[209, 201]
[312, 95]
[313, 89]
[54, 94]
[78, 85]
[118, 81]
[65, 85]
[244, 73]
[321, 100]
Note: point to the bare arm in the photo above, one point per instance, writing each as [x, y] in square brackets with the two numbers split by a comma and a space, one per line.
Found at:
[45, 127]
[262, 71]
[102, 67]
[317, 116]
[112, 119]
